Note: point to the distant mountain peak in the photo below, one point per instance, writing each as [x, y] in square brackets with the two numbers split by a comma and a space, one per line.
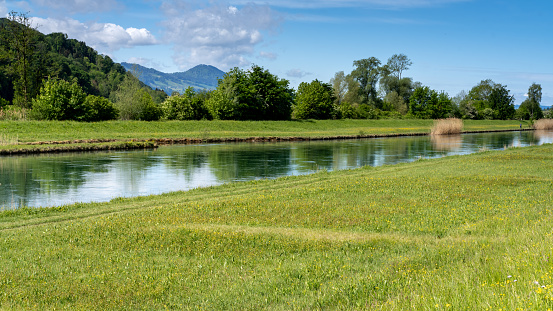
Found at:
[200, 77]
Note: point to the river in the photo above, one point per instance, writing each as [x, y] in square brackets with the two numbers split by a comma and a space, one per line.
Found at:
[57, 179]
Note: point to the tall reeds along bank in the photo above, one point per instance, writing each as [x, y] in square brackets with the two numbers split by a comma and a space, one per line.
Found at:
[447, 126]
[543, 124]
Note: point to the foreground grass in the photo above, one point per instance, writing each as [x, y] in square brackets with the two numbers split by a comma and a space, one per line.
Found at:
[459, 233]
[33, 131]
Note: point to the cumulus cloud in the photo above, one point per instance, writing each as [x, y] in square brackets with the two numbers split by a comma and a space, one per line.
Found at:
[78, 6]
[220, 35]
[104, 37]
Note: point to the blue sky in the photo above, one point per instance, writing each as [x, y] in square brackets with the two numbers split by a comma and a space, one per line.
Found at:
[453, 44]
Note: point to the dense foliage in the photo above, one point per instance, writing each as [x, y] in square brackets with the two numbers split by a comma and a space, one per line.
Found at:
[314, 100]
[255, 94]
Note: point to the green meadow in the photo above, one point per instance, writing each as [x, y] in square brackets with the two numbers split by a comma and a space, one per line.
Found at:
[33, 131]
[466, 232]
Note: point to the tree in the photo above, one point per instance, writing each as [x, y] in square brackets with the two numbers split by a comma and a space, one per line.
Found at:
[314, 100]
[397, 64]
[429, 104]
[530, 107]
[188, 106]
[501, 103]
[20, 36]
[339, 86]
[134, 102]
[366, 73]
[251, 95]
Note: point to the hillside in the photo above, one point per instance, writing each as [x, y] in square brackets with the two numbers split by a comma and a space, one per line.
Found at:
[56, 56]
[199, 77]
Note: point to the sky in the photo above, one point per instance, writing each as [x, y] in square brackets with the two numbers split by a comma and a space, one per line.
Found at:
[453, 44]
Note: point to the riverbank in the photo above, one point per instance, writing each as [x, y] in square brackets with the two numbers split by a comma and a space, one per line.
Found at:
[47, 136]
[462, 232]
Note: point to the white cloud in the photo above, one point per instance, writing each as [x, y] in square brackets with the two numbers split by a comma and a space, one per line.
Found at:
[104, 37]
[219, 35]
[78, 6]
[3, 9]
[267, 55]
[297, 73]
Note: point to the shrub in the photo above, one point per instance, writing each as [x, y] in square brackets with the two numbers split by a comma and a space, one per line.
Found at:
[447, 126]
[60, 100]
[100, 109]
[189, 106]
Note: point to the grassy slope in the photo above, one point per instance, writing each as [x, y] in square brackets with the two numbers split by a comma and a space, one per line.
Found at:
[32, 131]
[458, 233]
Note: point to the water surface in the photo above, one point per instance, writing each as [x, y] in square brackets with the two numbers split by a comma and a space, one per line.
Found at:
[57, 179]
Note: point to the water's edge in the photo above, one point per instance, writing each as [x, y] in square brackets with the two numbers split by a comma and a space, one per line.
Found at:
[66, 145]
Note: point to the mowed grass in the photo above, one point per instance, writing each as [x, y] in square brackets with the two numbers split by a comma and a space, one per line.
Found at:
[34, 131]
[458, 233]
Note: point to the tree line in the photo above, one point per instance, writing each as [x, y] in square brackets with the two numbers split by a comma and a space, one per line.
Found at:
[52, 77]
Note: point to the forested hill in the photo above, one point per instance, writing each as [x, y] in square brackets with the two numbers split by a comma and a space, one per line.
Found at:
[53, 55]
[199, 77]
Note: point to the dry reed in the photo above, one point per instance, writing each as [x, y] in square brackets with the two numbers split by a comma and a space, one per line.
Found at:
[447, 126]
[543, 124]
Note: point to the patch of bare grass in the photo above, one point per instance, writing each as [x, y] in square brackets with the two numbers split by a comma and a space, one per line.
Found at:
[543, 124]
[447, 126]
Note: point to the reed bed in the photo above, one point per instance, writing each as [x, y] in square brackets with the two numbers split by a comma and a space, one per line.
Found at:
[447, 126]
[543, 124]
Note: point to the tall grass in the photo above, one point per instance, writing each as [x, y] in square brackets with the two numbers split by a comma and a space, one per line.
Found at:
[543, 124]
[447, 126]
[13, 114]
[8, 140]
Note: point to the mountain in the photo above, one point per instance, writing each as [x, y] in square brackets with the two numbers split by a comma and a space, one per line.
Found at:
[200, 77]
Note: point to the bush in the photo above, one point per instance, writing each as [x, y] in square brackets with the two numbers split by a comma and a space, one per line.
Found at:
[100, 109]
[60, 100]
[189, 106]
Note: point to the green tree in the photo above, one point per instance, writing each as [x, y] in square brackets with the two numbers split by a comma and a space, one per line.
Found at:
[339, 86]
[397, 64]
[429, 104]
[20, 36]
[366, 73]
[60, 100]
[530, 107]
[314, 100]
[251, 95]
[134, 102]
[502, 103]
[188, 106]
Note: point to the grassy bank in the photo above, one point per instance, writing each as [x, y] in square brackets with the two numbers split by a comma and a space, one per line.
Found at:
[458, 233]
[34, 131]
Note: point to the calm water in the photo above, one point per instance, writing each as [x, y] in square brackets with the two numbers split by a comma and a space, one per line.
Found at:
[57, 179]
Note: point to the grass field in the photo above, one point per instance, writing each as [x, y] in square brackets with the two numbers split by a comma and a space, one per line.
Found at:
[457, 233]
[34, 131]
